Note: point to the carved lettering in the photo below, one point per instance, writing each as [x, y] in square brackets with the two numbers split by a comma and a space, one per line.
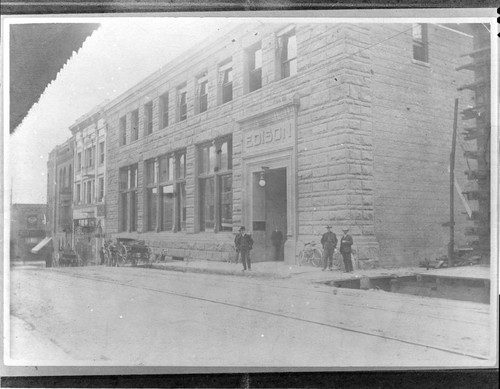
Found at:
[261, 137]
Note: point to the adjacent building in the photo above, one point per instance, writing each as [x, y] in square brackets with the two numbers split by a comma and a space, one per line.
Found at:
[89, 210]
[60, 177]
[289, 127]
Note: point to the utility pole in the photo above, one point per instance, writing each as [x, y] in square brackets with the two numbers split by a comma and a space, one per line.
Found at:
[452, 189]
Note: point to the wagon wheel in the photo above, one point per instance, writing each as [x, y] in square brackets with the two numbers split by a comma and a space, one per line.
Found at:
[122, 254]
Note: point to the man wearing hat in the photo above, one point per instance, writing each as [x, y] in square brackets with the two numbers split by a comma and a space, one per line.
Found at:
[345, 250]
[246, 244]
[329, 242]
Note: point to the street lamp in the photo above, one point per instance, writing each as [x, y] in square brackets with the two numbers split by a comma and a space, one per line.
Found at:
[262, 179]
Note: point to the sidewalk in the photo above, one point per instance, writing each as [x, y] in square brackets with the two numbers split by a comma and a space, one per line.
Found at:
[280, 270]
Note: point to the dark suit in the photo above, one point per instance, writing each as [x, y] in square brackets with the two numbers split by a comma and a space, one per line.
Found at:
[329, 242]
[345, 249]
[246, 244]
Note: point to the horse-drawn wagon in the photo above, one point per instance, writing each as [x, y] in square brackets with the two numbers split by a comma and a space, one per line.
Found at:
[127, 251]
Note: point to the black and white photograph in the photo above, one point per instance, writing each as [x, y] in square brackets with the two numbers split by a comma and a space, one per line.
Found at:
[250, 193]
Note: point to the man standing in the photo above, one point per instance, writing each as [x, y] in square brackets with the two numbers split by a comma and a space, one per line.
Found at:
[329, 242]
[277, 240]
[345, 250]
[246, 244]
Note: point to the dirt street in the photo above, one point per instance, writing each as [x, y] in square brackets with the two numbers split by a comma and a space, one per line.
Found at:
[132, 316]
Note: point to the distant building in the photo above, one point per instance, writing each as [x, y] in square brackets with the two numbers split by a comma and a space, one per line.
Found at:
[27, 229]
[60, 195]
[89, 134]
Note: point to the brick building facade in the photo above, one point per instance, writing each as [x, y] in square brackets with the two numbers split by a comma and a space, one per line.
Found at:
[60, 175]
[89, 210]
[292, 126]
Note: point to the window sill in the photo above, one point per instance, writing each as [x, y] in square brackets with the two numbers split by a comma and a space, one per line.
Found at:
[420, 63]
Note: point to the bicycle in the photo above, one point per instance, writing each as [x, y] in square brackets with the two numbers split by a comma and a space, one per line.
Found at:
[310, 255]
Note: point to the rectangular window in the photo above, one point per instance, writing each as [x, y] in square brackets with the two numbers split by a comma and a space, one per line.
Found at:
[202, 93]
[226, 82]
[182, 103]
[151, 193]
[288, 46]
[78, 194]
[100, 197]
[180, 176]
[167, 207]
[124, 211]
[215, 185]
[152, 199]
[101, 153]
[79, 161]
[128, 198]
[255, 68]
[420, 43]
[207, 204]
[148, 118]
[123, 131]
[134, 124]
[226, 202]
[164, 110]
[90, 190]
[181, 206]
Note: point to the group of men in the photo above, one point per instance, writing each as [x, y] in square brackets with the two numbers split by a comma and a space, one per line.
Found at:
[243, 243]
[329, 242]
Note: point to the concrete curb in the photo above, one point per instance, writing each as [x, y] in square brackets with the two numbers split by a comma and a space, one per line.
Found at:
[238, 273]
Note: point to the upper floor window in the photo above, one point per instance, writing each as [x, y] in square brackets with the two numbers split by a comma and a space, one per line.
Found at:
[182, 103]
[89, 156]
[420, 43]
[101, 153]
[78, 194]
[100, 195]
[288, 52]
[255, 68]
[226, 82]
[202, 93]
[164, 110]
[79, 161]
[123, 131]
[148, 118]
[134, 124]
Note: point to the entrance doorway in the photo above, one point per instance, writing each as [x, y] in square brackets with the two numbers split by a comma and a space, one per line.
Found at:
[269, 218]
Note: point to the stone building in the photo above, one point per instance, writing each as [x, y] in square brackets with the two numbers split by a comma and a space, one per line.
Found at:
[60, 176]
[89, 134]
[292, 126]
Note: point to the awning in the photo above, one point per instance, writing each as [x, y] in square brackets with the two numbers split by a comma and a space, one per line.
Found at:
[41, 245]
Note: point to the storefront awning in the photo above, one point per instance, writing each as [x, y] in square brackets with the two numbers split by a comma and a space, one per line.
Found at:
[41, 245]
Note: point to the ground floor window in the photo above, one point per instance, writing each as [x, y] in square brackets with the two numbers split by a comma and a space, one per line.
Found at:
[181, 206]
[128, 198]
[215, 184]
[152, 199]
[167, 208]
[207, 204]
[165, 192]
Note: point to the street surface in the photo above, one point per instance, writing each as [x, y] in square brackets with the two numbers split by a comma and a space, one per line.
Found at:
[134, 316]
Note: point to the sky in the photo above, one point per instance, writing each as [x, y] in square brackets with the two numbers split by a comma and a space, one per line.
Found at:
[121, 53]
